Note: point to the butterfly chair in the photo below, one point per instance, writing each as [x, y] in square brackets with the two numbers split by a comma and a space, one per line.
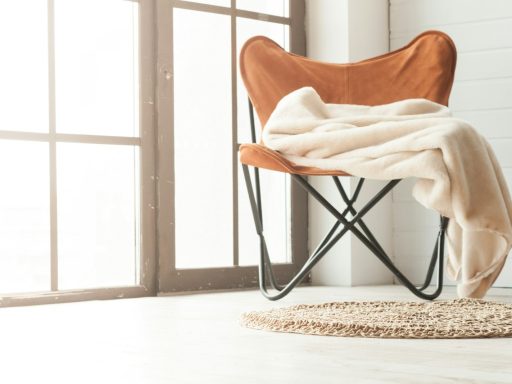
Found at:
[422, 69]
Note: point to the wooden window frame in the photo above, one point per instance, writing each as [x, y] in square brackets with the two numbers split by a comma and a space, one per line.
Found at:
[146, 143]
[157, 258]
[171, 279]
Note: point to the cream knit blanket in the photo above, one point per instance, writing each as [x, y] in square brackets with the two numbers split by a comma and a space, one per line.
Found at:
[458, 174]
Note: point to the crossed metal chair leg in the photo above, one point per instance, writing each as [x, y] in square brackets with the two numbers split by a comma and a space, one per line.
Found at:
[341, 226]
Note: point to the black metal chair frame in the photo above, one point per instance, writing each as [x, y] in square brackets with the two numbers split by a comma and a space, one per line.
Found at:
[363, 233]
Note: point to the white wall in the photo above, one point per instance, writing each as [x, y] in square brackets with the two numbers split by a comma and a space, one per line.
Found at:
[482, 94]
[346, 31]
[327, 40]
[326, 30]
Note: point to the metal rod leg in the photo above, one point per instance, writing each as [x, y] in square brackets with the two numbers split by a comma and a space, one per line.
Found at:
[352, 210]
[264, 257]
[432, 265]
[382, 256]
[332, 238]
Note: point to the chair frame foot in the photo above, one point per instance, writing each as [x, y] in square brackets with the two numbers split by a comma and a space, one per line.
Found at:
[341, 226]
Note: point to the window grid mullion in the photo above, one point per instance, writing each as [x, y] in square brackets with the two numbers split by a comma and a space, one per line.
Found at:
[54, 266]
[231, 10]
[234, 130]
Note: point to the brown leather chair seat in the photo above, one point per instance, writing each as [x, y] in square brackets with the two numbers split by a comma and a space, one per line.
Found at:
[259, 156]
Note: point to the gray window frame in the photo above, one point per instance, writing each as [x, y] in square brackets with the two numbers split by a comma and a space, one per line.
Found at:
[171, 279]
[157, 271]
[146, 143]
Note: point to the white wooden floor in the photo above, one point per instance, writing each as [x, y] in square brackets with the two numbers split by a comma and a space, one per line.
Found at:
[197, 339]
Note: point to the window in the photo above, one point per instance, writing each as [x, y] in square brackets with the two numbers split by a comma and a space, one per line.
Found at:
[118, 139]
[75, 150]
[206, 230]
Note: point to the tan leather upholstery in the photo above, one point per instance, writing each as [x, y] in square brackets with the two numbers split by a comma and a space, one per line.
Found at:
[260, 156]
[422, 69]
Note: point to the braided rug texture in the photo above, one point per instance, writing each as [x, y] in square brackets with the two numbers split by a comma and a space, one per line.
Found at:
[454, 319]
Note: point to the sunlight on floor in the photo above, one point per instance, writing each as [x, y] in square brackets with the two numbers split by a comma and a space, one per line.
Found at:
[197, 338]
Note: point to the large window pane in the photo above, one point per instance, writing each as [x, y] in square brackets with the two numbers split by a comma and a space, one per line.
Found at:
[24, 217]
[202, 140]
[96, 61]
[247, 28]
[98, 215]
[24, 66]
[274, 185]
[271, 7]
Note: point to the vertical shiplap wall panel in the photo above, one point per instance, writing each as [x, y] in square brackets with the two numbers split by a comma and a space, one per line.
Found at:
[410, 14]
[482, 94]
[342, 31]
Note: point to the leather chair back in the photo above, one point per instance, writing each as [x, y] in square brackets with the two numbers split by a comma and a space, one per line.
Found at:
[422, 69]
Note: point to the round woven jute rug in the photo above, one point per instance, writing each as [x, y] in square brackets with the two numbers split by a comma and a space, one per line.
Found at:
[454, 319]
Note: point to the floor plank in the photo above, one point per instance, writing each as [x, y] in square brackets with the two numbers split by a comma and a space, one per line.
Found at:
[197, 339]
